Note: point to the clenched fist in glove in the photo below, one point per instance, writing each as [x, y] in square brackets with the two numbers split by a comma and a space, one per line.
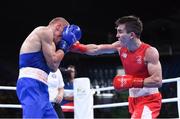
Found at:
[126, 82]
[70, 35]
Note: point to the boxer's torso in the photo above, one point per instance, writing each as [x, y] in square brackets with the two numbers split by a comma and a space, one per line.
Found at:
[134, 64]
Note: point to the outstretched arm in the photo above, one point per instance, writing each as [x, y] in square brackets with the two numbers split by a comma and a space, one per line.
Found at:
[93, 49]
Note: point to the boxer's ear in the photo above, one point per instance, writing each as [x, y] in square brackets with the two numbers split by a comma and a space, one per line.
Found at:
[132, 35]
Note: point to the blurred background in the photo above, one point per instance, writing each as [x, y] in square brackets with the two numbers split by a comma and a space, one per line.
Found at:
[96, 18]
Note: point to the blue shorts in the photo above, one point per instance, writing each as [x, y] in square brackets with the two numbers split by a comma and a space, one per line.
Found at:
[34, 98]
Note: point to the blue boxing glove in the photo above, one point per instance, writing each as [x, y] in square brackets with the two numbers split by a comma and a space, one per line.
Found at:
[70, 35]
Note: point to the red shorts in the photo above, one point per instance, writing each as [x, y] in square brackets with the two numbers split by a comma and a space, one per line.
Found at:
[145, 107]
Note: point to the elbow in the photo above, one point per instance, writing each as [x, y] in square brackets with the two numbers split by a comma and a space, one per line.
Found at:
[53, 66]
[158, 82]
[54, 63]
[53, 69]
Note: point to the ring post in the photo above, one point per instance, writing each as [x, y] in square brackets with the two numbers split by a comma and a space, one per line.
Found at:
[83, 99]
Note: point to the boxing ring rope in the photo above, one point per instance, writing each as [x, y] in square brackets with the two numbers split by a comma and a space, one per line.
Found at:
[176, 99]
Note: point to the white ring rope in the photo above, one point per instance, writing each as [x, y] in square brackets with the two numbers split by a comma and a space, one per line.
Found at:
[98, 89]
[176, 99]
[7, 88]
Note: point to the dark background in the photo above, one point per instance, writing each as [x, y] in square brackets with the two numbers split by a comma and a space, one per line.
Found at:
[96, 18]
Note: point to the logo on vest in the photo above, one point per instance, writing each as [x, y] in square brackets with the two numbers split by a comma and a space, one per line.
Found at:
[139, 59]
[124, 55]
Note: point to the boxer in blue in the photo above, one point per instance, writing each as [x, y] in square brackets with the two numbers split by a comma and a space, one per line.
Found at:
[40, 53]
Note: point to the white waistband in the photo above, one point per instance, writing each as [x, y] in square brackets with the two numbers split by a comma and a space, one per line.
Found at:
[34, 73]
[137, 92]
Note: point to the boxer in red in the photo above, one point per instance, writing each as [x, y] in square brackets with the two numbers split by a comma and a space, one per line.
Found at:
[143, 73]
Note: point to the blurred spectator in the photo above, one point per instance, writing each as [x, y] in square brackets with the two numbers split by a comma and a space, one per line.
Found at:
[68, 99]
[56, 91]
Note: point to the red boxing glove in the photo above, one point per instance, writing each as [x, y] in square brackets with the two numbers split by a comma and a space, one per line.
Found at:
[79, 47]
[126, 82]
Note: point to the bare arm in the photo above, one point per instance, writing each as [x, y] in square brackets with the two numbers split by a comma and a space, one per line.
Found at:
[154, 68]
[60, 95]
[53, 57]
[93, 49]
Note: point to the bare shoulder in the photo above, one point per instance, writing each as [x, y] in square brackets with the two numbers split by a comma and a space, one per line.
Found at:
[33, 42]
[152, 54]
[39, 28]
[43, 32]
